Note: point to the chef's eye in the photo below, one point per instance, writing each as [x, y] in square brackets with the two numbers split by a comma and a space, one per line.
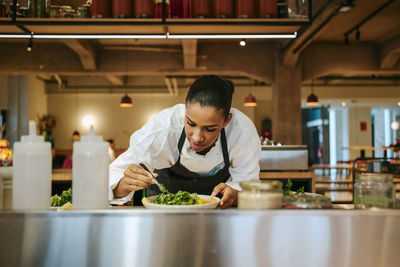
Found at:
[191, 124]
[210, 130]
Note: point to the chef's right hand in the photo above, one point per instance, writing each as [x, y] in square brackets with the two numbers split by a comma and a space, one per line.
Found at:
[135, 178]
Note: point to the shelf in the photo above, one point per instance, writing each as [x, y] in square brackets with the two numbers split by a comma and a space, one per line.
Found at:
[151, 26]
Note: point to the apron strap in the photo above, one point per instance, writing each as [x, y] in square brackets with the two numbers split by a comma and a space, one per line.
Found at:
[224, 147]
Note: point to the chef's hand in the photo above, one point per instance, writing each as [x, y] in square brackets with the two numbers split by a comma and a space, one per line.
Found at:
[229, 195]
[135, 178]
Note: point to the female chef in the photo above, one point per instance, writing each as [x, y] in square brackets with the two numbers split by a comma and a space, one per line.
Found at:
[203, 146]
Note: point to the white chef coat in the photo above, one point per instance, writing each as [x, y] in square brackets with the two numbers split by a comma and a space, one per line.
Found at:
[156, 145]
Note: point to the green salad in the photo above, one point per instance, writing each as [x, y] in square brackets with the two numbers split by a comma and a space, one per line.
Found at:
[59, 200]
[180, 198]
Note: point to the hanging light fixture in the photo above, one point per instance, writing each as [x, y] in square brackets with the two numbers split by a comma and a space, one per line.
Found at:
[126, 101]
[76, 136]
[250, 101]
[312, 99]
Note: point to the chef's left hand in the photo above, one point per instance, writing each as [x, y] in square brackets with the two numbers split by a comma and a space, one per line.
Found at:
[229, 197]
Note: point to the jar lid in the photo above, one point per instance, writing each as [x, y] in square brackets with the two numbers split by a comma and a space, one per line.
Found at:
[261, 185]
[375, 177]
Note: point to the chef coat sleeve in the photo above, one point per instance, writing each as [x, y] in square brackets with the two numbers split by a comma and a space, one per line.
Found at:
[245, 158]
[147, 145]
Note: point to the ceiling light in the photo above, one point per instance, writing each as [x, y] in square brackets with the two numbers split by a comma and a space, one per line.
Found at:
[242, 42]
[395, 125]
[149, 36]
[250, 101]
[312, 100]
[346, 6]
[232, 36]
[343, 104]
[76, 135]
[30, 45]
[126, 101]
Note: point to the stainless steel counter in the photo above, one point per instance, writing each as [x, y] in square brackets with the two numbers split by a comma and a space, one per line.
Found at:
[139, 237]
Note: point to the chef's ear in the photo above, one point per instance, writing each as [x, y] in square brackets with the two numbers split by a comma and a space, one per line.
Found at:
[228, 119]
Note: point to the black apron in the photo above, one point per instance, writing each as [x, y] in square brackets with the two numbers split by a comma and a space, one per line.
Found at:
[178, 177]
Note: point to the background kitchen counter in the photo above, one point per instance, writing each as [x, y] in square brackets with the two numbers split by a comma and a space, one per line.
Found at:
[140, 237]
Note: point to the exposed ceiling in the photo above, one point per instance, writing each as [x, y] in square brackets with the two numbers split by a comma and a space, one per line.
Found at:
[378, 24]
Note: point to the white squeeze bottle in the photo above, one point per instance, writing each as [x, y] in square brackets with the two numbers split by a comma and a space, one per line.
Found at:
[90, 172]
[31, 172]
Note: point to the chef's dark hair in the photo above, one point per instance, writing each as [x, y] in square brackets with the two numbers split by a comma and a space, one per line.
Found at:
[211, 90]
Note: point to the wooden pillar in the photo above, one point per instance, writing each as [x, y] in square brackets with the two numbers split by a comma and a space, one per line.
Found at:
[286, 104]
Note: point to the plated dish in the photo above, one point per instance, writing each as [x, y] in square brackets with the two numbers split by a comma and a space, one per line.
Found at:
[206, 202]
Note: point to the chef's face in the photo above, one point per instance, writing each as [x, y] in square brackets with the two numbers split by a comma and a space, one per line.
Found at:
[203, 125]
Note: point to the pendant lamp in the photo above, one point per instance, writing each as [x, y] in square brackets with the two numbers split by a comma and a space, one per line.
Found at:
[312, 99]
[76, 136]
[250, 101]
[126, 101]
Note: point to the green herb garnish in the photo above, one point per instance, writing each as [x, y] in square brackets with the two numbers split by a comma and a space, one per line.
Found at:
[180, 198]
[66, 196]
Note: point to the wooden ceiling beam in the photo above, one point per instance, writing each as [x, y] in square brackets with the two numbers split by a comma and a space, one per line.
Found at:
[189, 48]
[390, 53]
[292, 51]
[85, 51]
[116, 80]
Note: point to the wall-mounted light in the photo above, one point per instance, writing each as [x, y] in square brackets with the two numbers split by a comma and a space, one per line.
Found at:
[344, 104]
[242, 42]
[87, 120]
[250, 101]
[126, 101]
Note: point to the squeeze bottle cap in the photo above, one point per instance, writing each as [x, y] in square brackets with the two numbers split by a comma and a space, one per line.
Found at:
[91, 137]
[32, 137]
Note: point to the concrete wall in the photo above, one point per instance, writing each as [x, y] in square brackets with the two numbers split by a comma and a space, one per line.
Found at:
[111, 121]
[37, 98]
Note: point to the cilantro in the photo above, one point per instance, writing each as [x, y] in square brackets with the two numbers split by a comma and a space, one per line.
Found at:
[66, 196]
[180, 198]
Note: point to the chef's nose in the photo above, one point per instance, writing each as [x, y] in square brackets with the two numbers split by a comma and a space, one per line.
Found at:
[197, 135]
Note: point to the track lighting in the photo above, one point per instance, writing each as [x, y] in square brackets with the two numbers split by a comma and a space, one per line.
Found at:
[30, 45]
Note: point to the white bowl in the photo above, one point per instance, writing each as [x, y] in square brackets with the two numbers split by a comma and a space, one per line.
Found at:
[211, 203]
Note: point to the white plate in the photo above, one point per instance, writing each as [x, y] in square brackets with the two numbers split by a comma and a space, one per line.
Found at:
[211, 203]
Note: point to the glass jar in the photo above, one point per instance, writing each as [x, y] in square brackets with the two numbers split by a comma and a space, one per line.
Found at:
[69, 13]
[223, 8]
[143, 8]
[258, 195]
[3, 9]
[100, 8]
[245, 9]
[267, 8]
[55, 12]
[122, 8]
[374, 190]
[83, 11]
[201, 9]
[181, 9]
